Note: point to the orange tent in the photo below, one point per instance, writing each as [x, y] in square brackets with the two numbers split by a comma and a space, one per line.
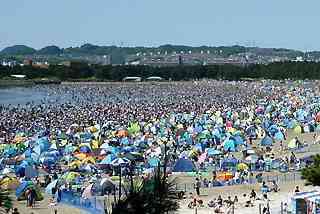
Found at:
[318, 117]
[224, 176]
[122, 133]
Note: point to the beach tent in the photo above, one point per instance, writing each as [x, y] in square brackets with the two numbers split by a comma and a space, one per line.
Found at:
[120, 161]
[108, 159]
[266, 141]
[50, 186]
[213, 152]
[23, 187]
[26, 185]
[9, 183]
[273, 129]
[229, 145]
[317, 118]
[238, 140]
[242, 166]
[279, 136]
[229, 163]
[6, 171]
[292, 144]
[297, 129]
[153, 162]
[184, 165]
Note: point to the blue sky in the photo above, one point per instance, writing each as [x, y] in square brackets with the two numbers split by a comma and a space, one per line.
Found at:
[265, 23]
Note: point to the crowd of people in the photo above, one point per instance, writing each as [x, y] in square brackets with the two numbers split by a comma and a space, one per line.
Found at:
[88, 128]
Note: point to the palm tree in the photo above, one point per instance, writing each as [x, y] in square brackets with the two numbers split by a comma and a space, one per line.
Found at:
[156, 195]
[153, 196]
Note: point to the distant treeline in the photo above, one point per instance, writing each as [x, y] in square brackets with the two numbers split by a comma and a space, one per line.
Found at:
[77, 71]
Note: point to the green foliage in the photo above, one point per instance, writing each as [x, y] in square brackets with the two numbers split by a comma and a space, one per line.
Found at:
[79, 70]
[153, 196]
[312, 173]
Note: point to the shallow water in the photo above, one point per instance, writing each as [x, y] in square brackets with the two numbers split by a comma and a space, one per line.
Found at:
[21, 95]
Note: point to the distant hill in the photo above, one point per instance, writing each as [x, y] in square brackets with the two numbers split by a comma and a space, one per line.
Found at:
[18, 50]
[50, 50]
[118, 54]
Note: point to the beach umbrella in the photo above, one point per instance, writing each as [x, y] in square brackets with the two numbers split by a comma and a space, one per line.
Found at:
[48, 161]
[120, 161]
[19, 139]
[242, 166]
[198, 147]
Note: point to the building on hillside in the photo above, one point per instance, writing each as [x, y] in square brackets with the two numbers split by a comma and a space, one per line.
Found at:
[27, 62]
[132, 79]
[154, 78]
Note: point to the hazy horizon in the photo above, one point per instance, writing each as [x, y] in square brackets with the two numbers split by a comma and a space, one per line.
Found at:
[271, 24]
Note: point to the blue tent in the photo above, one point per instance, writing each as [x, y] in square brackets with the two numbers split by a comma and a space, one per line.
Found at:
[212, 152]
[229, 162]
[53, 184]
[238, 139]
[229, 145]
[184, 165]
[22, 187]
[279, 136]
[20, 169]
[198, 146]
[108, 159]
[266, 141]
[153, 162]
[273, 129]
[43, 144]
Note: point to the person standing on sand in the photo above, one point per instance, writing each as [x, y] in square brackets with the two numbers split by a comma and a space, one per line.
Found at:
[198, 185]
